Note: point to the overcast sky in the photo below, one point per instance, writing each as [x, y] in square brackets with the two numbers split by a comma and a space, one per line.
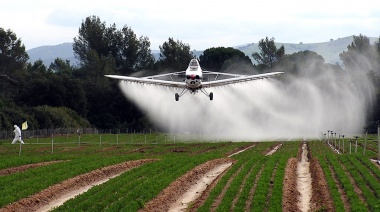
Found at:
[200, 23]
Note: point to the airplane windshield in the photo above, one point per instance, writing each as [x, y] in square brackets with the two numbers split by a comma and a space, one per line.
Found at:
[193, 63]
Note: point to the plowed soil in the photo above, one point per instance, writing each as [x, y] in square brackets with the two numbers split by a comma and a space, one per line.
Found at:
[320, 198]
[178, 187]
[26, 167]
[55, 192]
[290, 192]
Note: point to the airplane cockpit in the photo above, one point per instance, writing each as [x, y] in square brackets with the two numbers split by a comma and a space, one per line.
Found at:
[193, 64]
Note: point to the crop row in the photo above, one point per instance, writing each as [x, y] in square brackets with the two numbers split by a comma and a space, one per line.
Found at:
[142, 183]
[349, 176]
[254, 182]
[130, 191]
[320, 150]
[365, 145]
[251, 154]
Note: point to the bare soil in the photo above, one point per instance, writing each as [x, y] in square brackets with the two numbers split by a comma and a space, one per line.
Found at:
[320, 196]
[199, 201]
[178, 187]
[273, 149]
[317, 195]
[184, 201]
[304, 180]
[239, 150]
[55, 192]
[23, 168]
[290, 192]
[219, 198]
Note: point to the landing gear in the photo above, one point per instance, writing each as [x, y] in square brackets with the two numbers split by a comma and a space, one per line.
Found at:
[181, 94]
[210, 95]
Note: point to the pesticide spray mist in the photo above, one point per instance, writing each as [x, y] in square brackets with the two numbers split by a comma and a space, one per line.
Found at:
[302, 107]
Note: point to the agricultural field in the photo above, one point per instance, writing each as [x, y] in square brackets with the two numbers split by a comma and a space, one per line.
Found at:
[153, 172]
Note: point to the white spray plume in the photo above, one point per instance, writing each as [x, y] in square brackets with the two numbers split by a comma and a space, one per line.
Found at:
[303, 107]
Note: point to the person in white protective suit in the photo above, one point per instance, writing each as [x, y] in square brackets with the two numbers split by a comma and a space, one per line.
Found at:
[17, 135]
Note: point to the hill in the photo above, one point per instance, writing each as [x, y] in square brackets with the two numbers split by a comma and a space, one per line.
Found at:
[49, 53]
[328, 50]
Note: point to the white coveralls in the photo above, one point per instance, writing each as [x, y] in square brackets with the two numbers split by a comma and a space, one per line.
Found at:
[17, 135]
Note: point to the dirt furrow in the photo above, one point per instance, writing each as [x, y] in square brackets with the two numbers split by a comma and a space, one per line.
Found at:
[321, 197]
[178, 187]
[304, 180]
[23, 168]
[219, 199]
[273, 149]
[205, 194]
[290, 192]
[43, 198]
[196, 189]
[240, 150]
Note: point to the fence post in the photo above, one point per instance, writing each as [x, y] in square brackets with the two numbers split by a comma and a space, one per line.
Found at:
[339, 144]
[356, 144]
[378, 143]
[365, 143]
[19, 153]
[350, 146]
[52, 143]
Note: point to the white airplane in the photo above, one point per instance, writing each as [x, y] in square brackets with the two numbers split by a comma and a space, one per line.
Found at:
[194, 80]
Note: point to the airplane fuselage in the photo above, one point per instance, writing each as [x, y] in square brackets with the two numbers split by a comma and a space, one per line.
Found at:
[194, 76]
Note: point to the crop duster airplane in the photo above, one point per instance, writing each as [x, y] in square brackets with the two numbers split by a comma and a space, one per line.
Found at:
[194, 79]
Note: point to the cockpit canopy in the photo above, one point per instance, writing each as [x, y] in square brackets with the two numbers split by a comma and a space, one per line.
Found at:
[194, 63]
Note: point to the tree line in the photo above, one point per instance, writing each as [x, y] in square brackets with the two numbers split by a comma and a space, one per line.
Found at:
[63, 95]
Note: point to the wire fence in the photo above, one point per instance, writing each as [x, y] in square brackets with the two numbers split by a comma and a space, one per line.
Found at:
[62, 131]
[102, 135]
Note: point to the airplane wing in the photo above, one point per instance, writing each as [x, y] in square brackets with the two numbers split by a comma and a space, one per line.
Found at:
[165, 75]
[222, 73]
[238, 78]
[150, 80]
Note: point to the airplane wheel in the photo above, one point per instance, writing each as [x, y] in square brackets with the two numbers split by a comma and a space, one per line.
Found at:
[211, 96]
[176, 96]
